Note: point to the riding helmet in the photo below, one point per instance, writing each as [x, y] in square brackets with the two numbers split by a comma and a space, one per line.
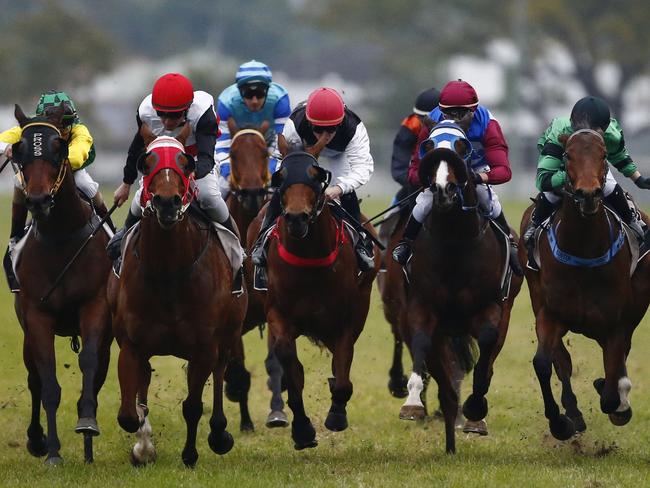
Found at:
[52, 99]
[426, 101]
[325, 107]
[253, 72]
[590, 112]
[172, 92]
[458, 93]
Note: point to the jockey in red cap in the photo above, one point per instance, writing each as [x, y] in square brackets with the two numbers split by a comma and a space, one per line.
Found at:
[489, 163]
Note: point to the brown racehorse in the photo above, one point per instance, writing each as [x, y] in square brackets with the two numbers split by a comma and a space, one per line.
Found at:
[173, 298]
[586, 289]
[454, 291]
[249, 181]
[78, 306]
[313, 289]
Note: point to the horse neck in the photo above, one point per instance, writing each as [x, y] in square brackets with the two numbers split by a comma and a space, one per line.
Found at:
[69, 213]
[319, 241]
[168, 251]
[582, 235]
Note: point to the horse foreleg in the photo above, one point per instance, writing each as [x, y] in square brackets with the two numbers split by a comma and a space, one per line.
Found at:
[40, 340]
[129, 372]
[198, 371]
[340, 385]
[413, 408]
[397, 382]
[616, 386]
[564, 370]
[549, 334]
[276, 417]
[36, 442]
[302, 430]
[219, 439]
[440, 363]
[238, 383]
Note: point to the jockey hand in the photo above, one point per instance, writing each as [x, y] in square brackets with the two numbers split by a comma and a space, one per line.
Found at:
[643, 182]
[8, 152]
[333, 192]
[479, 178]
[121, 195]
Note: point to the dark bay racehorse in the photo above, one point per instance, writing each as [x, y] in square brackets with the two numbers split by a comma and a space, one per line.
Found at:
[78, 306]
[249, 181]
[313, 289]
[584, 286]
[455, 290]
[173, 298]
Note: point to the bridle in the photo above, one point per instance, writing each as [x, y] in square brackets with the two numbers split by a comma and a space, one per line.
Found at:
[568, 188]
[234, 184]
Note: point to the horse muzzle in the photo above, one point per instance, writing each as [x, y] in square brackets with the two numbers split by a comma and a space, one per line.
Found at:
[39, 205]
[588, 201]
[443, 198]
[297, 224]
[168, 210]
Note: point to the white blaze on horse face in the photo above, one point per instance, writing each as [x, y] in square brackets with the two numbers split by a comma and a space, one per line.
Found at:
[144, 450]
[442, 175]
[415, 387]
[624, 387]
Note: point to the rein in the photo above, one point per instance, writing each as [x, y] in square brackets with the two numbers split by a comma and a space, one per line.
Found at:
[325, 261]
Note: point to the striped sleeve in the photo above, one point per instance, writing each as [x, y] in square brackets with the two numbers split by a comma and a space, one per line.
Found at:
[222, 147]
[281, 113]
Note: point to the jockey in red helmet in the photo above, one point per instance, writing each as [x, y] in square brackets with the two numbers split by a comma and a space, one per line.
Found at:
[489, 163]
[325, 119]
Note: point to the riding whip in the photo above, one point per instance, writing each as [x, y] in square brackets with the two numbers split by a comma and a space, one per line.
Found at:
[398, 204]
[7, 161]
[45, 297]
[338, 208]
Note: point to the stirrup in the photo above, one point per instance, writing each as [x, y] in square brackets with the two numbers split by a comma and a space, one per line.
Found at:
[238, 283]
[402, 252]
[114, 246]
[364, 260]
[260, 282]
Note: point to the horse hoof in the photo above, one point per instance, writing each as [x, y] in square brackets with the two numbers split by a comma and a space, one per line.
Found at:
[621, 418]
[336, 422]
[53, 461]
[139, 462]
[221, 443]
[87, 425]
[562, 428]
[129, 424]
[37, 447]
[475, 408]
[397, 386]
[475, 427]
[190, 458]
[303, 435]
[412, 412]
[579, 423]
[246, 426]
[277, 418]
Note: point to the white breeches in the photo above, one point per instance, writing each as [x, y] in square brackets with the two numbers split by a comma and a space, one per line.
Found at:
[488, 202]
[82, 180]
[610, 184]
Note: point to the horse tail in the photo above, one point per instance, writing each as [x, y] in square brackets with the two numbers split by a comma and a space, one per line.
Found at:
[465, 351]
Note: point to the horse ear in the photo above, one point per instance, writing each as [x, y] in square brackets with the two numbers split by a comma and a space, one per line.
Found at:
[147, 135]
[232, 127]
[278, 177]
[185, 133]
[463, 147]
[20, 115]
[321, 174]
[57, 115]
[141, 163]
[264, 127]
[563, 139]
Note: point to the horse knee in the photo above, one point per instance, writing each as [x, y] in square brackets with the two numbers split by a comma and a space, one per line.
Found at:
[488, 337]
[51, 395]
[192, 411]
[542, 364]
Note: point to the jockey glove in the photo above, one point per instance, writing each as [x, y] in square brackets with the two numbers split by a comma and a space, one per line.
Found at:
[643, 182]
[476, 178]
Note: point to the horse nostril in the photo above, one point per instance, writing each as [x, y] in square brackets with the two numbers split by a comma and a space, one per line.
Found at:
[177, 201]
[156, 200]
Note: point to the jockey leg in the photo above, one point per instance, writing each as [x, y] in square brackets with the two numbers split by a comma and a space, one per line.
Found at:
[210, 201]
[90, 188]
[18, 219]
[500, 220]
[403, 250]
[618, 201]
[545, 204]
[364, 247]
[114, 246]
[273, 211]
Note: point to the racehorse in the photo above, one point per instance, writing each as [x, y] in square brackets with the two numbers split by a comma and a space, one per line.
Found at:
[173, 298]
[249, 180]
[314, 289]
[77, 306]
[584, 286]
[455, 290]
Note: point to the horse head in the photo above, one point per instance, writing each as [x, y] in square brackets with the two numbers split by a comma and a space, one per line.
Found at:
[41, 156]
[168, 187]
[301, 183]
[249, 165]
[586, 167]
[445, 155]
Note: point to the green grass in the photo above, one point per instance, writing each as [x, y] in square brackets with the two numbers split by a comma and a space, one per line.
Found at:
[377, 450]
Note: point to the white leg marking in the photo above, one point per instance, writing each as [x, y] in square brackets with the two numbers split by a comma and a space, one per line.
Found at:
[442, 174]
[624, 387]
[415, 387]
[144, 450]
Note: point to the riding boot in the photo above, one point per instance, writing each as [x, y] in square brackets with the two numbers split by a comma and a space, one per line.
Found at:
[258, 252]
[114, 246]
[619, 203]
[18, 219]
[365, 253]
[500, 220]
[237, 278]
[403, 250]
[102, 211]
[542, 211]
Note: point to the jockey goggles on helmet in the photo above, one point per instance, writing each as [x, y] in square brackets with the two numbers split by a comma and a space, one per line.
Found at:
[171, 115]
[456, 113]
[258, 90]
[319, 129]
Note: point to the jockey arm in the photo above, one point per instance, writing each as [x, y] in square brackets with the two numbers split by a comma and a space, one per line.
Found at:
[222, 146]
[413, 177]
[403, 147]
[79, 146]
[207, 131]
[8, 138]
[135, 150]
[360, 160]
[496, 154]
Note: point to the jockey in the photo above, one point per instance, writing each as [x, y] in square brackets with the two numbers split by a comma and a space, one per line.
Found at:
[173, 103]
[406, 139]
[81, 154]
[489, 164]
[324, 118]
[588, 113]
[251, 100]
